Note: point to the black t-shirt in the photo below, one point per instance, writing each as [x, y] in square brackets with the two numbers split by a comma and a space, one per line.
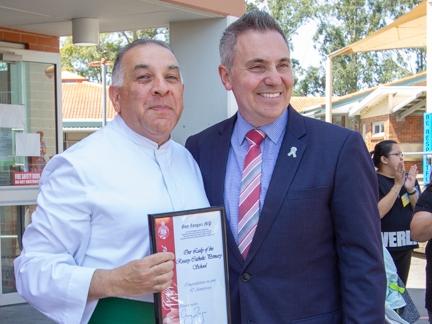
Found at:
[395, 225]
[424, 203]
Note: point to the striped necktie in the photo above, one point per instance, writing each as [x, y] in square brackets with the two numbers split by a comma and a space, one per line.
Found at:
[250, 191]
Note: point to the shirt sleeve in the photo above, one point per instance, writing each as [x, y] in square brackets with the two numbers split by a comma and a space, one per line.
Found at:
[358, 236]
[48, 272]
[424, 203]
[381, 193]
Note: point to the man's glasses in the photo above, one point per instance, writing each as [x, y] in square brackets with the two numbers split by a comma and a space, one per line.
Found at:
[399, 155]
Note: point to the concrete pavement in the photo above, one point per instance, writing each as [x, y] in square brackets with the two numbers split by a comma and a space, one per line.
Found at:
[24, 313]
[416, 286]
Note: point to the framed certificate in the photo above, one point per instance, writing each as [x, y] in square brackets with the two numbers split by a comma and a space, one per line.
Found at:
[199, 289]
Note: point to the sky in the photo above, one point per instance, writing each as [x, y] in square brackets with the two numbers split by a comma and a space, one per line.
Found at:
[304, 51]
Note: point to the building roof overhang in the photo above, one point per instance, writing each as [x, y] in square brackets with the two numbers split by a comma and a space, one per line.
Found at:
[54, 17]
[408, 94]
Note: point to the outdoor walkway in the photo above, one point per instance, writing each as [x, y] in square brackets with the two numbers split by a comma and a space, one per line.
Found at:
[416, 287]
[24, 313]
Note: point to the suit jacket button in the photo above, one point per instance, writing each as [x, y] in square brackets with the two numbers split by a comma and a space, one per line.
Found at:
[245, 277]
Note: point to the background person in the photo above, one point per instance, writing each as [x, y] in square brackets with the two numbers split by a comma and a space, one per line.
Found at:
[300, 194]
[398, 194]
[37, 163]
[88, 241]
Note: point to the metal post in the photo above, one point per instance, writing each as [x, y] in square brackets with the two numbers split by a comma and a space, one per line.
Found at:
[429, 56]
[104, 94]
[329, 90]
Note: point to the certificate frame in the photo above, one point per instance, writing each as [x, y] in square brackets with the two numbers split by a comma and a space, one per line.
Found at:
[206, 264]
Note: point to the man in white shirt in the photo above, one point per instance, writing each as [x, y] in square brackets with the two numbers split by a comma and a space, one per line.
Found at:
[88, 241]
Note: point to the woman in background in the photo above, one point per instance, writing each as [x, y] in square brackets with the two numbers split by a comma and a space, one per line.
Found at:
[398, 194]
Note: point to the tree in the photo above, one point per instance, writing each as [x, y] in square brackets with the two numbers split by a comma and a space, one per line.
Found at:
[77, 59]
[292, 14]
[152, 33]
[256, 4]
[309, 81]
[340, 23]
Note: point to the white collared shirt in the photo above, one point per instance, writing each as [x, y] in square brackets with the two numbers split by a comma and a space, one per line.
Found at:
[92, 214]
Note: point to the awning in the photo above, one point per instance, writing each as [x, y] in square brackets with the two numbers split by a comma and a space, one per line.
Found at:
[408, 31]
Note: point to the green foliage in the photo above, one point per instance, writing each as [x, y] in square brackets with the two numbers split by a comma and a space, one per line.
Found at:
[251, 6]
[78, 58]
[339, 24]
[255, 4]
[309, 82]
[292, 14]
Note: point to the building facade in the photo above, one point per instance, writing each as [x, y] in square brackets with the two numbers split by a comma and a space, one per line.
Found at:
[29, 135]
[31, 89]
[391, 111]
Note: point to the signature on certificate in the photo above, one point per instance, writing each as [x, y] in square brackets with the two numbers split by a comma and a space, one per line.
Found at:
[196, 316]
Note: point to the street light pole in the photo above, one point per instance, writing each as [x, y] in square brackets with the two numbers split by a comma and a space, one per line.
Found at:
[103, 65]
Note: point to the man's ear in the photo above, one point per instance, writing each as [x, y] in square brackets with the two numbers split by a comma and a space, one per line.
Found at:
[225, 77]
[114, 94]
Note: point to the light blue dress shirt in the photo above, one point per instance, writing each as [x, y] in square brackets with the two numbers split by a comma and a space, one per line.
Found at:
[237, 153]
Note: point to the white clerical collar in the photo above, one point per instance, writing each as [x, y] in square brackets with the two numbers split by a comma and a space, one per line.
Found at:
[122, 127]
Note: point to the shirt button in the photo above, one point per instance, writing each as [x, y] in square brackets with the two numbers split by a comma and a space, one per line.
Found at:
[245, 277]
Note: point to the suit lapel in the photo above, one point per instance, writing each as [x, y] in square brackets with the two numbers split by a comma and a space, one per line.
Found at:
[284, 171]
[218, 153]
[218, 149]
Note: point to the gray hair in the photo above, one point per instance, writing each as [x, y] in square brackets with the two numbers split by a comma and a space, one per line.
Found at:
[256, 20]
[117, 72]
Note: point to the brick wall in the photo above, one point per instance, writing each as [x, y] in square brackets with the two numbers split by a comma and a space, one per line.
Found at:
[366, 125]
[32, 41]
[409, 130]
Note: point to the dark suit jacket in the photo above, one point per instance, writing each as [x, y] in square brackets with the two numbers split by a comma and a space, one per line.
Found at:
[316, 256]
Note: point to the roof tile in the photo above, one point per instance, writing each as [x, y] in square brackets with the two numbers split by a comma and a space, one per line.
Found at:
[83, 100]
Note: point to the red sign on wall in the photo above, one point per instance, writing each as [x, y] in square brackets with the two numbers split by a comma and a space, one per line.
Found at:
[20, 178]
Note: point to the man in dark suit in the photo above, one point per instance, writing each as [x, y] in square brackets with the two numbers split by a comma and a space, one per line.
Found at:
[304, 241]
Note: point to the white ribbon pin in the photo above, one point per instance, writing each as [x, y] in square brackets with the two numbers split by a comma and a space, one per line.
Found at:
[293, 152]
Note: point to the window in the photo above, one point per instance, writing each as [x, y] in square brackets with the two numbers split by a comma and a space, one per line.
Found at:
[13, 221]
[27, 121]
[29, 136]
[378, 129]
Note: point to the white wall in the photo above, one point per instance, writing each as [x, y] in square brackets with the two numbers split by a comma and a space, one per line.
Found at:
[196, 45]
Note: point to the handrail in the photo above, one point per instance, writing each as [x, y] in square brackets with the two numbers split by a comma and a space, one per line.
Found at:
[416, 153]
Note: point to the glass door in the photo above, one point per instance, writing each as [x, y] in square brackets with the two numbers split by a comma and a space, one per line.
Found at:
[29, 136]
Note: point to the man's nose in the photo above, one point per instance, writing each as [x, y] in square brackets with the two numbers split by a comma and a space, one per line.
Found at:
[273, 77]
[160, 87]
